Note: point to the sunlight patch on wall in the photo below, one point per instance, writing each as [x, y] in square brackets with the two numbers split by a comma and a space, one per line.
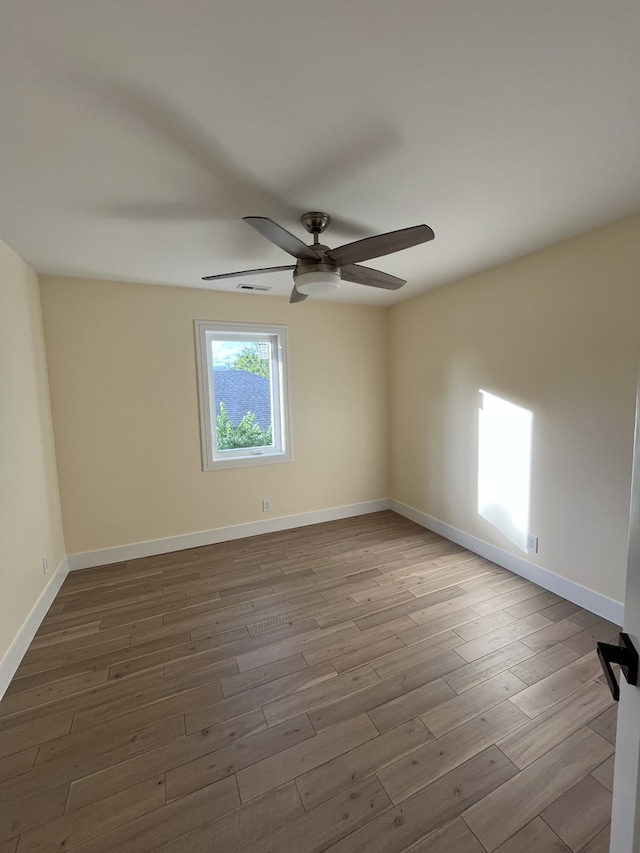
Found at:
[504, 466]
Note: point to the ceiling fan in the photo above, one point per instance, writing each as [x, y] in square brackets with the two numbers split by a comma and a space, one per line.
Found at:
[319, 269]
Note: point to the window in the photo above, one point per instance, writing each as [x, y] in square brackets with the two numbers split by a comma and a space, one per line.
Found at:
[243, 379]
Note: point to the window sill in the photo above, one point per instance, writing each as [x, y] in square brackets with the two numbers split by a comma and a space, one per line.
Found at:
[248, 461]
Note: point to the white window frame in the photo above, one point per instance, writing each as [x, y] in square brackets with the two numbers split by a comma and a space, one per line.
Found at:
[207, 331]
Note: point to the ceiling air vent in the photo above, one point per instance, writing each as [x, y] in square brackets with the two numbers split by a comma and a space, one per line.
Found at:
[260, 287]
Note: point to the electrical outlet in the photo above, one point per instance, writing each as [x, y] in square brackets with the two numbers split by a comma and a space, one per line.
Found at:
[266, 505]
[532, 544]
[45, 565]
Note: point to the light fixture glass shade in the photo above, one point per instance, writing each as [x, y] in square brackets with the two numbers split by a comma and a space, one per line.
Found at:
[317, 283]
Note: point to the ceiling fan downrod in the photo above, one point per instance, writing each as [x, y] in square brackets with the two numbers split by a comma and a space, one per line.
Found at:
[315, 223]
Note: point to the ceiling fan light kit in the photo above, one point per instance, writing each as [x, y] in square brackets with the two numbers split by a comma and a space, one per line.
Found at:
[318, 269]
[317, 283]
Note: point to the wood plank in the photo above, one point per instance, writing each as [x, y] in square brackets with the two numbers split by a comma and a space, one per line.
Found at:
[373, 605]
[365, 700]
[417, 633]
[53, 664]
[555, 725]
[604, 773]
[411, 704]
[233, 684]
[534, 836]
[91, 788]
[539, 666]
[395, 662]
[409, 607]
[272, 772]
[155, 701]
[605, 724]
[560, 610]
[478, 627]
[546, 692]
[191, 678]
[555, 633]
[421, 767]
[33, 808]
[117, 737]
[453, 712]
[20, 737]
[77, 633]
[240, 827]
[381, 588]
[580, 813]
[455, 837]
[230, 759]
[466, 677]
[147, 655]
[17, 763]
[600, 844]
[329, 822]
[69, 765]
[357, 764]
[367, 654]
[307, 682]
[338, 644]
[331, 689]
[586, 619]
[71, 830]
[205, 651]
[500, 637]
[168, 822]
[432, 807]
[463, 602]
[48, 693]
[507, 600]
[514, 804]
[534, 605]
[585, 641]
[74, 704]
[302, 643]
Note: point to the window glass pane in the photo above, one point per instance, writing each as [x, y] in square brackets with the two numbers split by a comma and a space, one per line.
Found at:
[242, 390]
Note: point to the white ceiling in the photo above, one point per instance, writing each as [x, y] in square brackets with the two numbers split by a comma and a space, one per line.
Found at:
[135, 135]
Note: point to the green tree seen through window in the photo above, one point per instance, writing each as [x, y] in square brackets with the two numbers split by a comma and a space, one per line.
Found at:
[250, 359]
[247, 433]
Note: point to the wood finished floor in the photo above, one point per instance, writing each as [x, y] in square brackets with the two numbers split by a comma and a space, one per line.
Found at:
[357, 686]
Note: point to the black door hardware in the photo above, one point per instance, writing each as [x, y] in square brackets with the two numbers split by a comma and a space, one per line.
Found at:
[623, 654]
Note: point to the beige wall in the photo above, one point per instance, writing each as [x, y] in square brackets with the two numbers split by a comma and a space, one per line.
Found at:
[557, 332]
[30, 523]
[124, 395]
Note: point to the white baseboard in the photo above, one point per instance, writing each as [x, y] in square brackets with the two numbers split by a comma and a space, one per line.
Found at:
[120, 553]
[604, 606]
[17, 650]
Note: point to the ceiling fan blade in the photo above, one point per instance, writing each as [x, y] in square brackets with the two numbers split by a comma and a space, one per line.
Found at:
[374, 278]
[296, 296]
[246, 272]
[381, 244]
[281, 237]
